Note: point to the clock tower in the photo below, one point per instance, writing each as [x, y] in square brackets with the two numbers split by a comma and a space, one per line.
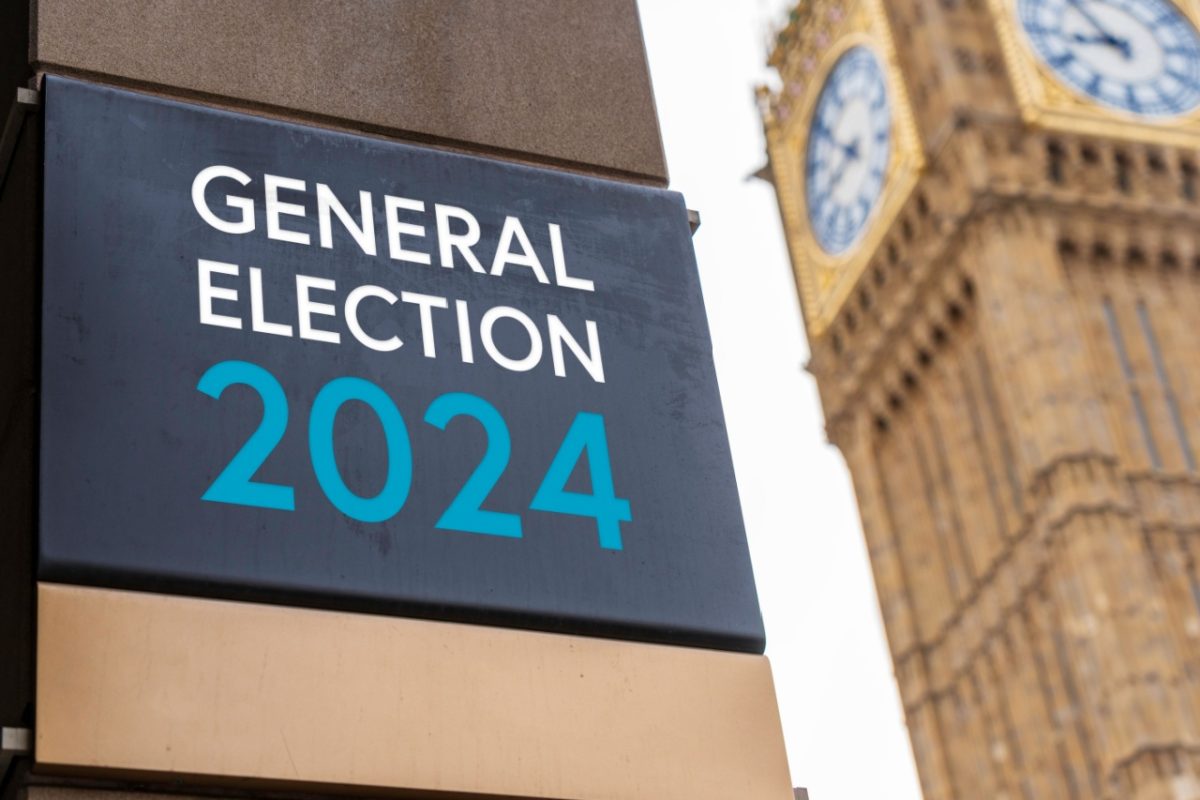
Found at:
[993, 214]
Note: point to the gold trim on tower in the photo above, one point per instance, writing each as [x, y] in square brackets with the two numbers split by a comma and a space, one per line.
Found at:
[1045, 102]
[825, 280]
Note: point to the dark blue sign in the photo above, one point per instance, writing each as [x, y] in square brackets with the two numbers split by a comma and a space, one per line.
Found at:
[297, 366]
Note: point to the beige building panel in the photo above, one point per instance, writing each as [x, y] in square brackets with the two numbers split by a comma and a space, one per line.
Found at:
[539, 79]
[170, 687]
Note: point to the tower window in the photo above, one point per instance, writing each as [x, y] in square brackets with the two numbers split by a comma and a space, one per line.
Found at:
[1055, 158]
[1187, 170]
[1123, 181]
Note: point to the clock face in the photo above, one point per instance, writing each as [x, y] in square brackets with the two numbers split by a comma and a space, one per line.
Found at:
[849, 145]
[1139, 56]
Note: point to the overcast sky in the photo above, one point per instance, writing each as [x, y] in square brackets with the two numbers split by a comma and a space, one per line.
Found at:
[841, 711]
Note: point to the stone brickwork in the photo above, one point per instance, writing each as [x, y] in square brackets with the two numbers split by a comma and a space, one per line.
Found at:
[1015, 385]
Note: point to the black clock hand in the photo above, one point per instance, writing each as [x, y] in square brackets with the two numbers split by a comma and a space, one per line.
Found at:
[851, 151]
[837, 174]
[1111, 41]
[1089, 16]
[1105, 34]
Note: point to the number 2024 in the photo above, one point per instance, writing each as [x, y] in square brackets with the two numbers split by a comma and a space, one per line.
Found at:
[585, 437]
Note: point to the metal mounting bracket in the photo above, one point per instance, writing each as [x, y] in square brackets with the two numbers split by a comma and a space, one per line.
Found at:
[14, 743]
[25, 101]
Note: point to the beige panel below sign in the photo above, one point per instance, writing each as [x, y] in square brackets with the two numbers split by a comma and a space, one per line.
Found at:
[131, 683]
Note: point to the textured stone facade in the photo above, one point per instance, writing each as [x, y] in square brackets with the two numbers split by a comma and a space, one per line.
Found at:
[1015, 384]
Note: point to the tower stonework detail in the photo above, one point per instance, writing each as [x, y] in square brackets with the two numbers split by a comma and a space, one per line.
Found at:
[1009, 360]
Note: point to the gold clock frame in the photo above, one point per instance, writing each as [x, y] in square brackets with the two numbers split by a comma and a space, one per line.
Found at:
[1048, 103]
[826, 280]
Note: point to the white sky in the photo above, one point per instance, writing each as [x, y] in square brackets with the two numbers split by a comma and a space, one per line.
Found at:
[841, 712]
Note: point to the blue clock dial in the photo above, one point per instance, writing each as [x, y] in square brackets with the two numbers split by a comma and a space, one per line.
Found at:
[849, 144]
[1138, 56]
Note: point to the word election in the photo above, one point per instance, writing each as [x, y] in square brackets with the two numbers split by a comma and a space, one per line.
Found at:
[406, 221]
